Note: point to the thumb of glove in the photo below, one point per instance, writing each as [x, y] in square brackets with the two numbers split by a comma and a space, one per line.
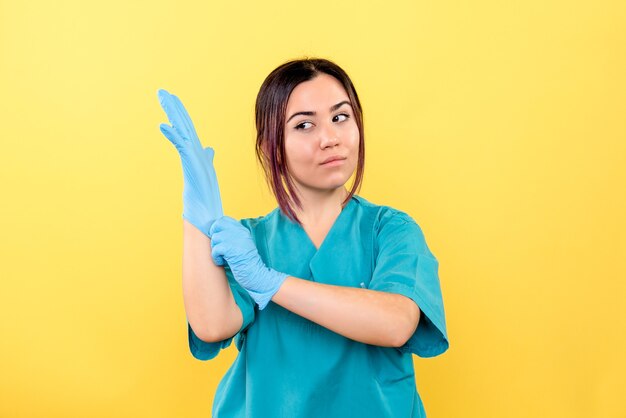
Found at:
[210, 153]
[217, 253]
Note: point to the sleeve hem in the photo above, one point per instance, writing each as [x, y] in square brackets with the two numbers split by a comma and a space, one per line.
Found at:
[203, 350]
[423, 351]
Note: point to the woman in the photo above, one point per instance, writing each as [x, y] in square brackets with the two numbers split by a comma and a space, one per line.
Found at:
[328, 295]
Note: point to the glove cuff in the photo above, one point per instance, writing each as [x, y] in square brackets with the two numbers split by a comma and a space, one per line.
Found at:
[275, 280]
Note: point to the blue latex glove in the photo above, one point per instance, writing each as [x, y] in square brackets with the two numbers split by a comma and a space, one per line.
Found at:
[232, 243]
[201, 194]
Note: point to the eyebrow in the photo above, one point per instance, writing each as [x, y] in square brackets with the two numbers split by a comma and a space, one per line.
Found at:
[310, 113]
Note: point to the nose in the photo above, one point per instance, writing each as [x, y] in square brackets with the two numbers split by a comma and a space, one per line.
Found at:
[329, 137]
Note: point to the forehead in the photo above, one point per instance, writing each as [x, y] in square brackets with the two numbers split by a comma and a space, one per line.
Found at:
[319, 93]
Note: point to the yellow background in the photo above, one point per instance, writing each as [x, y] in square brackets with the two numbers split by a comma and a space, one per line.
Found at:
[499, 126]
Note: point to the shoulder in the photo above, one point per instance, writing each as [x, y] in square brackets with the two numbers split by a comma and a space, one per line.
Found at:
[392, 225]
[385, 216]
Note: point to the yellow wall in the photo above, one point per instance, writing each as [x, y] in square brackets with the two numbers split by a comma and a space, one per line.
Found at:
[499, 126]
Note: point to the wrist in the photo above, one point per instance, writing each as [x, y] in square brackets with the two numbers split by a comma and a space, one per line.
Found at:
[271, 280]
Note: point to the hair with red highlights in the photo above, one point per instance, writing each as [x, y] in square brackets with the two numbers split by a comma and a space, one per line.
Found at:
[271, 109]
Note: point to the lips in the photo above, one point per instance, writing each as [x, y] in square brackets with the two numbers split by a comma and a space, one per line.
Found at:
[333, 158]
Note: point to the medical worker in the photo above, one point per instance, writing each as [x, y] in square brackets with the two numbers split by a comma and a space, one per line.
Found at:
[327, 296]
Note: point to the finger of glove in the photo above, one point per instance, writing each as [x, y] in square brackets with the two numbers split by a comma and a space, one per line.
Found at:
[185, 119]
[168, 105]
[224, 238]
[210, 154]
[214, 227]
[224, 223]
[172, 135]
[210, 225]
[215, 237]
[177, 115]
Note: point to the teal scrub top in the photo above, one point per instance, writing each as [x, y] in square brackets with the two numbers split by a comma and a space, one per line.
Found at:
[289, 366]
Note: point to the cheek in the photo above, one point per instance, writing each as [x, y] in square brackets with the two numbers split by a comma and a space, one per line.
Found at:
[298, 154]
[353, 142]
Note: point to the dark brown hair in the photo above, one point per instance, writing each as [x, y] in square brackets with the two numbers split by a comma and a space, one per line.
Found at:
[271, 109]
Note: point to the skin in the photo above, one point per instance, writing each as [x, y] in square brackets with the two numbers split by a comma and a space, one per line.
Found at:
[368, 316]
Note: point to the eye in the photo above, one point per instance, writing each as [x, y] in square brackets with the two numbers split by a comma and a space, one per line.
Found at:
[301, 125]
[346, 117]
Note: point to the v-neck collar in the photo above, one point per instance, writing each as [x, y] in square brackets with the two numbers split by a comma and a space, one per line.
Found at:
[336, 225]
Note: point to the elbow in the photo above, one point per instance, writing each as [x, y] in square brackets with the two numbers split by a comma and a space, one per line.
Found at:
[409, 323]
[208, 337]
[205, 334]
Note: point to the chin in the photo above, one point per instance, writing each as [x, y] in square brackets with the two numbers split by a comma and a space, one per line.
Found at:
[335, 186]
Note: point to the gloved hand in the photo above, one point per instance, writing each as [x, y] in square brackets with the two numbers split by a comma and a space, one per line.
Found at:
[201, 194]
[232, 243]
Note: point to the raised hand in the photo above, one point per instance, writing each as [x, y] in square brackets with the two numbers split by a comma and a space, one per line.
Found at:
[201, 195]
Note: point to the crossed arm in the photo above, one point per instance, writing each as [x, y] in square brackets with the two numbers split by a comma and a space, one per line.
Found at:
[364, 315]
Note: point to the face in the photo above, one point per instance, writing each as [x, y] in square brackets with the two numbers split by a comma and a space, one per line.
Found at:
[320, 125]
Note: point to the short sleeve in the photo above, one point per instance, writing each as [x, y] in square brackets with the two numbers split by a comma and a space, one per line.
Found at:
[203, 350]
[405, 265]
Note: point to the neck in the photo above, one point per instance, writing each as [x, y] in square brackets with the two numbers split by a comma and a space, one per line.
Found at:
[320, 206]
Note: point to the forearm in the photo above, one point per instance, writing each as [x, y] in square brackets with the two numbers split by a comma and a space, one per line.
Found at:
[209, 303]
[368, 316]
